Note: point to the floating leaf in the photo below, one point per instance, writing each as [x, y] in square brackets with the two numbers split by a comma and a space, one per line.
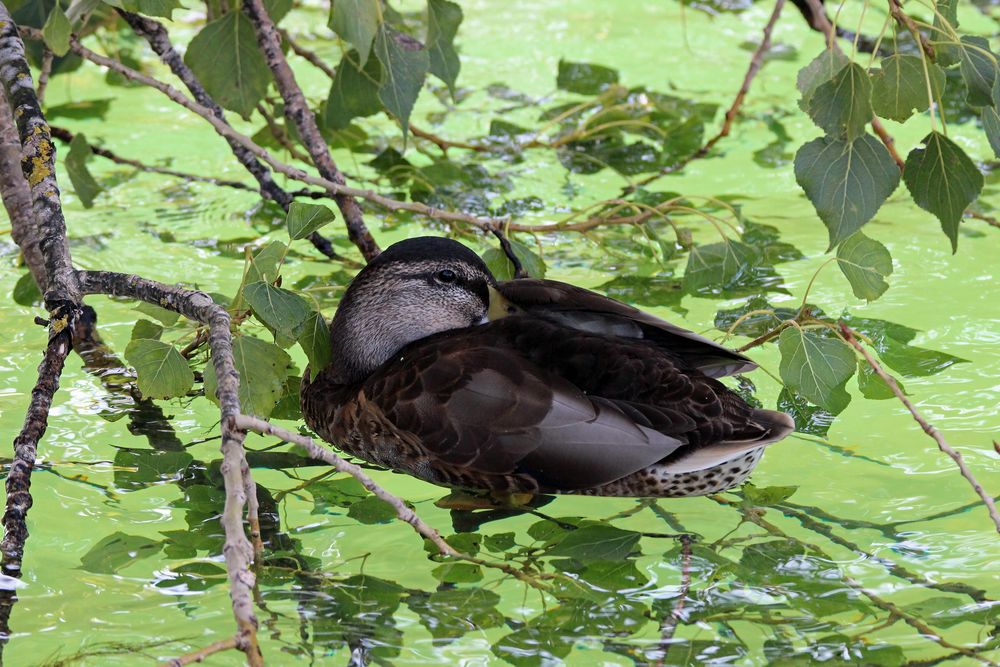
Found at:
[356, 21]
[404, 67]
[820, 69]
[900, 87]
[146, 329]
[585, 78]
[162, 371]
[315, 342]
[499, 542]
[979, 70]
[458, 573]
[56, 31]
[942, 180]
[226, 59]
[842, 106]
[304, 219]
[117, 551]
[866, 263]
[596, 542]
[816, 367]
[84, 185]
[281, 310]
[767, 495]
[443, 19]
[847, 182]
[503, 269]
[714, 266]
[263, 368]
[354, 92]
[371, 510]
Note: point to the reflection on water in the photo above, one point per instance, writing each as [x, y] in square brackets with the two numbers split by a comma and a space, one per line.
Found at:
[857, 542]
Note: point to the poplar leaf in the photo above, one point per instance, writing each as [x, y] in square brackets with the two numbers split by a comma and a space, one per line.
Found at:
[842, 106]
[263, 368]
[315, 342]
[162, 371]
[866, 263]
[281, 310]
[900, 87]
[817, 368]
[404, 67]
[356, 21]
[354, 92]
[847, 182]
[820, 69]
[443, 19]
[227, 60]
[979, 70]
[84, 185]
[56, 31]
[304, 219]
[943, 180]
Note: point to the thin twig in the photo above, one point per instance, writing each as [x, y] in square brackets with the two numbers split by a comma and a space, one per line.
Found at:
[904, 20]
[45, 73]
[925, 425]
[201, 654]
[508, 250]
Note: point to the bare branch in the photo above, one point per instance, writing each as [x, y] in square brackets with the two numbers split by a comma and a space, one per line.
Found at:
[927, 427]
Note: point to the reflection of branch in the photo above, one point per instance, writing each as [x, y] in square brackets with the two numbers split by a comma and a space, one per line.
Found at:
[927, 427]
[201, 654]
[298, 113]
[668, 626]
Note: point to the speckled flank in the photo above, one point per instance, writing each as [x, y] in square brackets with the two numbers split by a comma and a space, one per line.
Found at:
[657, 481]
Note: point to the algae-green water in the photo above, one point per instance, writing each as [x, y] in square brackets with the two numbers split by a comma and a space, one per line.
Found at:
[879, 514]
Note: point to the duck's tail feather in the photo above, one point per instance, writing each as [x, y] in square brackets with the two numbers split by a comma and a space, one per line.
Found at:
[770, 427]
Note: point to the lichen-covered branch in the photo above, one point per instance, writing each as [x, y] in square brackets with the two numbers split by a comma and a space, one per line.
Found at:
[298, 113]
[198, 306]
[928, 428]
[17, 196]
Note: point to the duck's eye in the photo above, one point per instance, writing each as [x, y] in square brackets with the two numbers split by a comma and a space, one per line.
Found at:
[445, 276]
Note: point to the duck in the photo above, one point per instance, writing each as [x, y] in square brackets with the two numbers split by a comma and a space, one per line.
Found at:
[527, 386]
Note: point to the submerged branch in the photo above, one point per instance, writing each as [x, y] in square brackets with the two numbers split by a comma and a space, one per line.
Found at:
[925, 425]
[201, 654]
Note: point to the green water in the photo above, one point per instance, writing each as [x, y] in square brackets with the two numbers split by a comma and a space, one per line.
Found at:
[877, 485]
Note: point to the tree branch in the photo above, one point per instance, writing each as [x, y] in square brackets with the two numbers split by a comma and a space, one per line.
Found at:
[927, 427]
[299, 114]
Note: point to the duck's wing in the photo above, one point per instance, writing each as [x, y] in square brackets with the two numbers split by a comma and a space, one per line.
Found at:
[588, 311]
[480, 411]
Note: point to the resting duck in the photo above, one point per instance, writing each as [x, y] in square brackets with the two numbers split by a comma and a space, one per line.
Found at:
[527, 386]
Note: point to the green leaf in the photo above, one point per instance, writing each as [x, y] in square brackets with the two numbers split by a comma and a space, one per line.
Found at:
[56, 31]
[167, 317]
[809, 418]
[161, 8]
[596, 542]
[892, 342]
[162, 371]
[26, 292]
[979, 70]
[942, 180]
[117, 551]
[281, 310]
[458, 573]
[277, 9]
[315, 342]
[502, 268]
[404, 67]
[84, 185]
[371, 510]
[499, 542]
[146, 329]
[872, 385]
[821, 69]
[816, 367]
[866, 263]
[945, 17]
[900, 87]
[991, 126]
[715, 265]
[767, 495]
[304, 219]
[263, 368]
[356, 21]
[227, 60]
[140, 468]
[842, 106]
[585, 78]
[847, 182]
[443, 19]
[354, 92]
[266, 263]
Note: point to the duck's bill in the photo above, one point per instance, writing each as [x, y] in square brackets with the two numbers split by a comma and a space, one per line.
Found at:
[499, 306]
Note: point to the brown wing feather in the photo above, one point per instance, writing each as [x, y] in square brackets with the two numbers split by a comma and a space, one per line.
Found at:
[588, 311]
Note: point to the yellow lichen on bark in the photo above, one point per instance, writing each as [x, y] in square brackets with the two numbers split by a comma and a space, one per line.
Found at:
[40, 162]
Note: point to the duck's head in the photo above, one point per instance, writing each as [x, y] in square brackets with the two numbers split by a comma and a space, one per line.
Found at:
[413, 289]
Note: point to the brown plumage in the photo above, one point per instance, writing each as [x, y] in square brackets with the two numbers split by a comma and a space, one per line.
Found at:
[564, 391]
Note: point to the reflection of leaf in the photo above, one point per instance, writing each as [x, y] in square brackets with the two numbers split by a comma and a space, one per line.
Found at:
[657, 291]
[872, 385]
[810, 419]
[816, 367]
[585, 78]
[454, 612]
[139, 468]
[942, 180]
[866, 263]
[596, 542]
[371, 510]
[26, 291]
[117, 551]
[891, 341]
[767, 495]
[458, 573]
[847, 182]
[715, 266]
